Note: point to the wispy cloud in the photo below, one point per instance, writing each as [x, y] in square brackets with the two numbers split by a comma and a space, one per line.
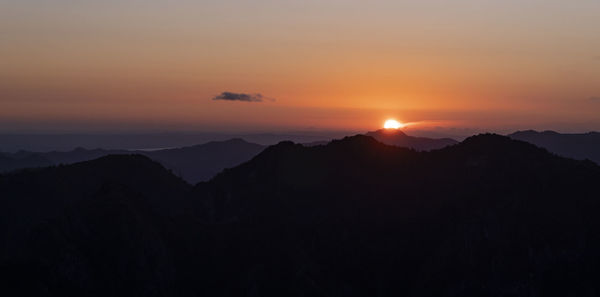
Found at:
[244, 97]
[595, 98]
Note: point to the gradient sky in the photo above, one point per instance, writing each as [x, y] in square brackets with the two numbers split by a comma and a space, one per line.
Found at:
[69, 65]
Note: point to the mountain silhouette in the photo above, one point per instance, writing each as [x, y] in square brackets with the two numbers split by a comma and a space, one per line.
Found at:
[490, 216]
[576, 146]
[398, 138]
[201, 162]
[194, 163]
[101, 227]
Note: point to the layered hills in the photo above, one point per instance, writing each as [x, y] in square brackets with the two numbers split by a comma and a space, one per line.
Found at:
[490, 216]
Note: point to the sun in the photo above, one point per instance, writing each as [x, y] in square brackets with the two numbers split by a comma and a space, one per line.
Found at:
[392, 124]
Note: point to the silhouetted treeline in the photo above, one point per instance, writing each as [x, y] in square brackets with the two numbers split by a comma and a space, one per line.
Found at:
[490, 216]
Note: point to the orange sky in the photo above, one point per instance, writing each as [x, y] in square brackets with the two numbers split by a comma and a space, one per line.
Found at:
[327, 64]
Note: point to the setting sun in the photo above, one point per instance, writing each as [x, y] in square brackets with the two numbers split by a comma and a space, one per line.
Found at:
[392, 124]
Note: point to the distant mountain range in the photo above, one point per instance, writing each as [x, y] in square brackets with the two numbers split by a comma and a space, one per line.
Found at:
[201, 162]
[13, 142]
[490, 216]
[194, 164]
[577, 146]
[399, 138]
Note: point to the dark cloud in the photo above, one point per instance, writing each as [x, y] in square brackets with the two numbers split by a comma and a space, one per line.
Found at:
[595, 99]
[230, 96]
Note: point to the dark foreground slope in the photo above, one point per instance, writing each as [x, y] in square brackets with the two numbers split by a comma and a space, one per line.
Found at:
[399, 138]
[487, 217]
[577, 146]
[98, 228]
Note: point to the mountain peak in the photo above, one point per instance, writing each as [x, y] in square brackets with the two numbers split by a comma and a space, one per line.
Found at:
[236, 140]
[357, 139]
[491, 142]
[396, 132]
[232, 141]
[397, 137]
[534, 132]
[489, 138]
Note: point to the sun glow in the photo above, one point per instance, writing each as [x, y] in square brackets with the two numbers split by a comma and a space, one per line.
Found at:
[392, 124]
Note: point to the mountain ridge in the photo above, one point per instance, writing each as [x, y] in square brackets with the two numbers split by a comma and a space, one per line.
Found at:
[398, 138]
[577, 145]
[194, 163]
[490, 216]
